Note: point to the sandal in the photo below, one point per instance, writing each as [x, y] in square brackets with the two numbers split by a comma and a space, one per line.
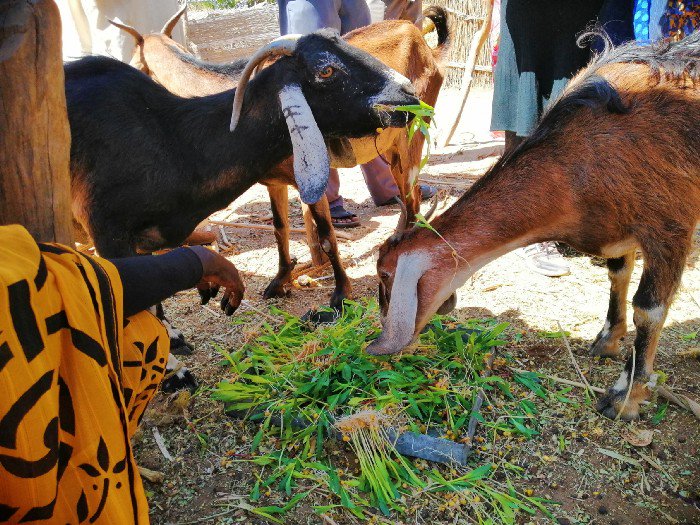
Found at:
[426, 192]
[342, 218]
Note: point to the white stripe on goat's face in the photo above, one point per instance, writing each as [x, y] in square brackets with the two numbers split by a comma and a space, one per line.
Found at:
[311, 161]
[400, 320]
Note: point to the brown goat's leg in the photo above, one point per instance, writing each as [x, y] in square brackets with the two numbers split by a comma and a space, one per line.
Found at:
[607, 343]
[321, 214]
[660, 279]
[318, 258]
[279, 202]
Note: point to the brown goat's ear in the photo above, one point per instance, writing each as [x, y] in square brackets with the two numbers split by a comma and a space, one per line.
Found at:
[128, 29]
[170, 24]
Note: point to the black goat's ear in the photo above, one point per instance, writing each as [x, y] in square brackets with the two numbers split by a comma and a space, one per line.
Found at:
[311, 161]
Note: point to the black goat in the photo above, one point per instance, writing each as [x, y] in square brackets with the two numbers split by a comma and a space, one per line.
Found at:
[148, 166]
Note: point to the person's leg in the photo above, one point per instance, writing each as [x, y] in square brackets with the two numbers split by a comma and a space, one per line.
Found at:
[353, 14]
[307, 16]
[340, 217]
[379, 181]
[332, 194]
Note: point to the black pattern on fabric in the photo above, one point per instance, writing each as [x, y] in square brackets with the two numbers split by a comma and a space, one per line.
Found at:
[23, 319]
[76, 401]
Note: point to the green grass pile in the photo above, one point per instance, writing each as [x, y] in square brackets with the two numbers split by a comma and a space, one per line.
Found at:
[298, 382]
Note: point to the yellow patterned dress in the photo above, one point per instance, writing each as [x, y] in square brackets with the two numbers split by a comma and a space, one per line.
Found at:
[75, 378]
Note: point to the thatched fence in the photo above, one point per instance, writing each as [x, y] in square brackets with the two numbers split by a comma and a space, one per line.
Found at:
[466, 17]
[226, 35]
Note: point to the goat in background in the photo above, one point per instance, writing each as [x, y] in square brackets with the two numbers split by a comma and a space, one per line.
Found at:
[612, 167]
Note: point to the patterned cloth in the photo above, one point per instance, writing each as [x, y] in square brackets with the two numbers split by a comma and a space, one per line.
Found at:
[642, 10]
[75, 379]
[682, 17]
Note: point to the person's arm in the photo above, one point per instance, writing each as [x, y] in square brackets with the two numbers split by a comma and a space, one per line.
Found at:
[147, 280]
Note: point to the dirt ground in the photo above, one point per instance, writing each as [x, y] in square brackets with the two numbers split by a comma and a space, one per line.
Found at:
[204, 484]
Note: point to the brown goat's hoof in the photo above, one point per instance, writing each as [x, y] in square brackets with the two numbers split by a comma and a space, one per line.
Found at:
[337, 300]
[341, 292]
[605, 346]
[613, 403]
[275, 289]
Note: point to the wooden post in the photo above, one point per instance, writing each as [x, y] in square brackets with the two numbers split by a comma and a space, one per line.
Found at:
[34, 131]
[476, 45]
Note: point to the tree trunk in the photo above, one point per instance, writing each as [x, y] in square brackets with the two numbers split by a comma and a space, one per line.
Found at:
[34, 132]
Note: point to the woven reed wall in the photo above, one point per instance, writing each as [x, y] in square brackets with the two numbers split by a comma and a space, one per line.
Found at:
[466, 17]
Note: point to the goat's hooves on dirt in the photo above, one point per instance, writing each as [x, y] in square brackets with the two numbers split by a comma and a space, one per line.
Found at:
[275, 289]
[180, 380]
[605, 346]
[337, 299]
[610, 405]
[179, 346]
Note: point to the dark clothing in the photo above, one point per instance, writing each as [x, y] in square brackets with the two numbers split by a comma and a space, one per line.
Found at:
[537, 56]
[150, 279]
[616, 18]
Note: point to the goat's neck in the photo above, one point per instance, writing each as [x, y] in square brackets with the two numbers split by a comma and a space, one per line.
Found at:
[227, 164]
[510, 209]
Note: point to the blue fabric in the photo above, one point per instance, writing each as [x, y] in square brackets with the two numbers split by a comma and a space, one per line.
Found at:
[655, 13]
[641, 19]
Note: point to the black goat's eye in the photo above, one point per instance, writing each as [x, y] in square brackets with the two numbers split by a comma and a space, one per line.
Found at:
[326, 72]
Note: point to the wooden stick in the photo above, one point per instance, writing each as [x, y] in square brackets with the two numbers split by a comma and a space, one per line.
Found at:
[451, 183]
[573, 359]
[476, 45]
[563, 381]
[161, 444]
[476, 409]
[268, 227]
[153, 476]
[680, 400]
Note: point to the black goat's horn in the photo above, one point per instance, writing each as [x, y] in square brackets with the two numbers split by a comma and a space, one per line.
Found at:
[284, 45]
[137, 36]
[170, 24]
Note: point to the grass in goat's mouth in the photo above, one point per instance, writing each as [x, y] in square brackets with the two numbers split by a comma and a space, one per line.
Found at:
[288, 373]
[423, 116]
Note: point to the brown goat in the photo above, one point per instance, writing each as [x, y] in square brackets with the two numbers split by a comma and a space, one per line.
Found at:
[172, 66]
[607, 172]
[397, 43]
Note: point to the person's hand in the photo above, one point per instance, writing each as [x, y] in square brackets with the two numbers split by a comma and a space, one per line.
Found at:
[217, 272]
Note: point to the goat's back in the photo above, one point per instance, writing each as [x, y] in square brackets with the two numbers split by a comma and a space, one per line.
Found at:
[400, 45]
[182, 73]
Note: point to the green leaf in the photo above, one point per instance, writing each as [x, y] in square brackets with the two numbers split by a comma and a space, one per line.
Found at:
[256, 440]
